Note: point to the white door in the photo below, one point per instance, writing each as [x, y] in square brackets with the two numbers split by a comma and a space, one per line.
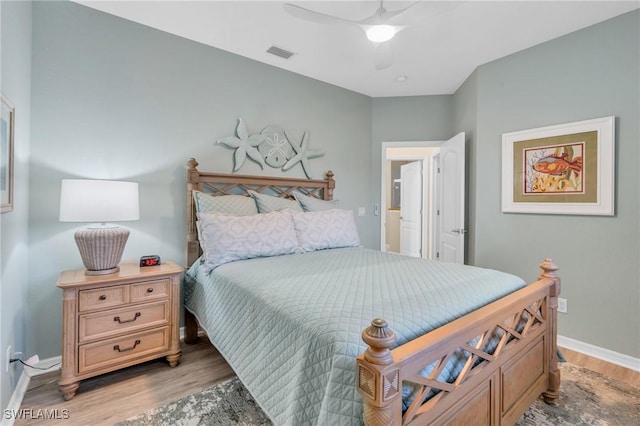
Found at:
[451, 196]
[411, 209]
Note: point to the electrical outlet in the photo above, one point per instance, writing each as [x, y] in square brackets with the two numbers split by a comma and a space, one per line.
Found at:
[562, 305]
[7, 359]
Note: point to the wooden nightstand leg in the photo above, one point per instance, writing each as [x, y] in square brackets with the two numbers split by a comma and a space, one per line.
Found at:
[174, 359]
[69, 391]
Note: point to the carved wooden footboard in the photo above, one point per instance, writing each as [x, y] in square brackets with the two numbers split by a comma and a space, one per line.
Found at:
[494, 387]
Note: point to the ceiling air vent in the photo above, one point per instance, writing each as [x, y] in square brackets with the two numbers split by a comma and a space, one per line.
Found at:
[284, 54]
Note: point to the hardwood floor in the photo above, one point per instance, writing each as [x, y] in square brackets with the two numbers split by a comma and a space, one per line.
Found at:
[122, 394]
[117, 396]
[603, 367]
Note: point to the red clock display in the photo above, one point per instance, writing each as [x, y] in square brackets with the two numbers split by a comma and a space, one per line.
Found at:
[152, 260]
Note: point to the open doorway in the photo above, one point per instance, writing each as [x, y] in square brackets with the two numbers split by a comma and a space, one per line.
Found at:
[403, 235]
[431, 225]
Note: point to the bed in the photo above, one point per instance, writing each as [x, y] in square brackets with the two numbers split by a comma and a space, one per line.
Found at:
[348, 335]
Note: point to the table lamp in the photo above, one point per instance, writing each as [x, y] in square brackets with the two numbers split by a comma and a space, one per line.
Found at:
[99, 201]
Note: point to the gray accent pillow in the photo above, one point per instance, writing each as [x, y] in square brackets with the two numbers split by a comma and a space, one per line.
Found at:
[234, 205]
[269, 203]
[313, 204]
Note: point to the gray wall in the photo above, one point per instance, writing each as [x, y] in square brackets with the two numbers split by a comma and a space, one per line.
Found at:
[587, 74]
[113, 99]
[15, 76]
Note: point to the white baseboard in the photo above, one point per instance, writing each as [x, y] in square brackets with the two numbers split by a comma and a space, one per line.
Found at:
[44, 366]
[600, 353]
[16, 399]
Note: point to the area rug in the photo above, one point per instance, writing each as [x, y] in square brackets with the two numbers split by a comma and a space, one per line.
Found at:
[586, 398]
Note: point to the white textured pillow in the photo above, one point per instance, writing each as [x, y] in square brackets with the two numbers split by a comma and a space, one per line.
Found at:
[227, 238]
[313, 204]
[325, 229]
[269, 203]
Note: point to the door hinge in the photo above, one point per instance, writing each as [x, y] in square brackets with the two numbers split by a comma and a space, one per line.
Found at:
[437, 255]
[437, 212]
[438, 169]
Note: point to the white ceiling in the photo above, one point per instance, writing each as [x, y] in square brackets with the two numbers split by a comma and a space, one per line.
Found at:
[442, 45]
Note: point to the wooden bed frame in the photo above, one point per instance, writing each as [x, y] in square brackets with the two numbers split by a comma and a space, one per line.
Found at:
[492, 389]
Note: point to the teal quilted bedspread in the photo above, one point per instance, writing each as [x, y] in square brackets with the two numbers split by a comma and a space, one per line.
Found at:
[290, 325]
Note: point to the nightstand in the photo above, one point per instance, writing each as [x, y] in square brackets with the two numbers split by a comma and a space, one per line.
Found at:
[118, 320]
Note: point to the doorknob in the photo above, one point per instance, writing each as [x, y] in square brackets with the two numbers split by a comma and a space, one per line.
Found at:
[459, 231]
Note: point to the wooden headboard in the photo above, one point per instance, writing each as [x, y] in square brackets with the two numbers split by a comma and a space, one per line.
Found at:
[227, 184]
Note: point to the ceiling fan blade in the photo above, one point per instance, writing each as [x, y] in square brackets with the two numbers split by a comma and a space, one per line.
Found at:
[384, 16]
[383, 55]
[390, 14]
[313, 16]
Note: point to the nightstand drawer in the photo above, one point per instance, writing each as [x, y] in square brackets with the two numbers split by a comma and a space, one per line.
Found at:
[149, 290]
[103, 354]
[102, 324]
[103, 297]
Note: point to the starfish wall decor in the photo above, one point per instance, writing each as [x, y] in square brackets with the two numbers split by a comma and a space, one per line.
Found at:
[274, 147]
[244, 145]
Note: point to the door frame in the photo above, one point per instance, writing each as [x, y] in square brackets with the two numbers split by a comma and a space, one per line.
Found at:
[427, 246]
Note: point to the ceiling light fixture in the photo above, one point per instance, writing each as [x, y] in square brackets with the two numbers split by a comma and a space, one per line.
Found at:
[380, 33]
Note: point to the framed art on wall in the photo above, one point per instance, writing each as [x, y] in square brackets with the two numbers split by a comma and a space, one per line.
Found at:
[562, 169]
[7, 129]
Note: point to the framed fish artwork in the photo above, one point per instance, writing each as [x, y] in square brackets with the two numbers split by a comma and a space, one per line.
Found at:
[561, 169]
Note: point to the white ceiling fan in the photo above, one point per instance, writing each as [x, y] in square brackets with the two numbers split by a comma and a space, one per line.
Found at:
[380, 27]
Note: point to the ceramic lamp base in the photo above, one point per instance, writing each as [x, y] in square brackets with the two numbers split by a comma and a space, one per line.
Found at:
[101, 248]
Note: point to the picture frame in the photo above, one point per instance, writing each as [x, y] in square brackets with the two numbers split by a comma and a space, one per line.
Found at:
[7, 135]
[561, 169]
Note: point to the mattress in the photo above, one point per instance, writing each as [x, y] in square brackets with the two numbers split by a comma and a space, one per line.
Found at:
[290, 326]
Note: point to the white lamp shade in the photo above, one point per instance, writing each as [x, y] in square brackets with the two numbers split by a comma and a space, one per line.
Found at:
[83, 200]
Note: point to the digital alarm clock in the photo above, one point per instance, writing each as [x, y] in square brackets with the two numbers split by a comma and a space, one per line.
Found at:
[151, 260]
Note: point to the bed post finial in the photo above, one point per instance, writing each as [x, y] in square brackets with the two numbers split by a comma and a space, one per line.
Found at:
[380, 338]
[192, 164]
[331, 184]
[378, 377]
[549, 269]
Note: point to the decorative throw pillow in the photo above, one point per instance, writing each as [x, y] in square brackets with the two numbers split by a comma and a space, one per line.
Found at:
[269, 203]
[234, 205]
[313, 204]
[227, 238]
[325, 229]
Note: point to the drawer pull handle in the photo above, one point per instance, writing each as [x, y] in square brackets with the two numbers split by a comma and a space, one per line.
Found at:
[126, 321]
[103, 297]
[150, 290]
[117, 347]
